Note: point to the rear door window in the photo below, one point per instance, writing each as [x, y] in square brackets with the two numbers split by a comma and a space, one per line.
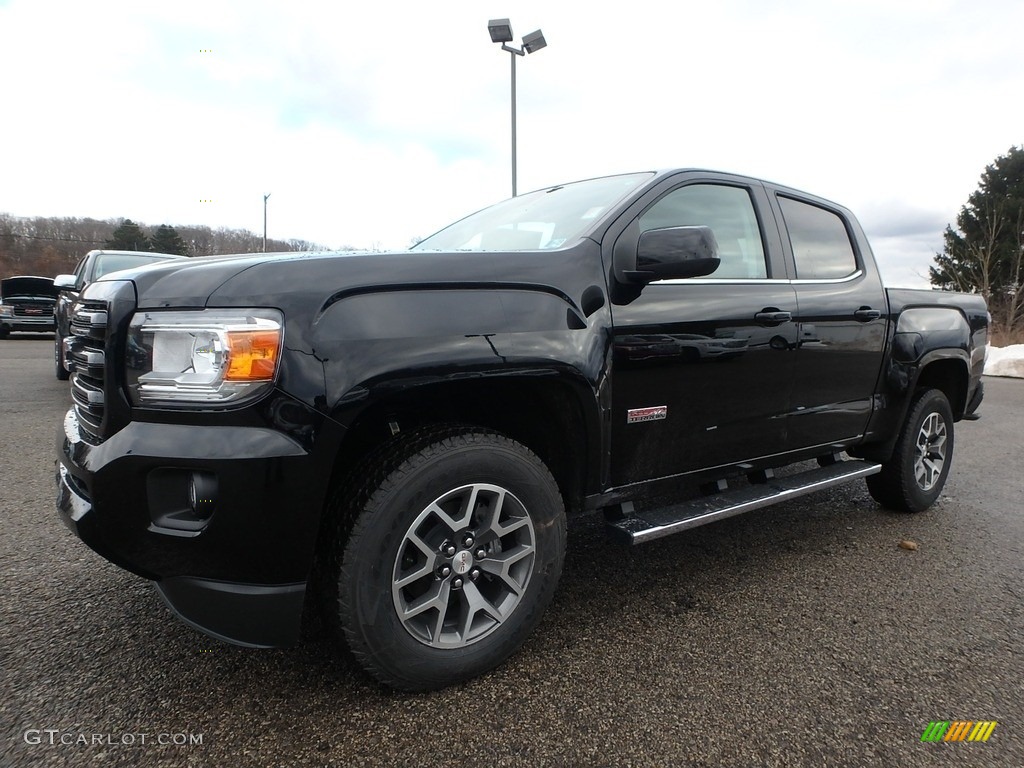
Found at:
[821, 244]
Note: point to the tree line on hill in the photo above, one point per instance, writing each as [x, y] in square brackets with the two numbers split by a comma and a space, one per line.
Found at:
[50, 246]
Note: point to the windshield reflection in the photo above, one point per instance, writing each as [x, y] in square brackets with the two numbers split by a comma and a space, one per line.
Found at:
[542, 220]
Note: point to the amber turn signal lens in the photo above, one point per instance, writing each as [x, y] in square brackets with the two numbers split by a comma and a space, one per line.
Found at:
[253, 355]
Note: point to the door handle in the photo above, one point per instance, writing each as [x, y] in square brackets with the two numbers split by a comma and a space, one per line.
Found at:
[773, 316]
[866, 314]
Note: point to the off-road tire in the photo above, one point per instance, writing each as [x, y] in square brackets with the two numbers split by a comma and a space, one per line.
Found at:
[505, 495]
[913, 477]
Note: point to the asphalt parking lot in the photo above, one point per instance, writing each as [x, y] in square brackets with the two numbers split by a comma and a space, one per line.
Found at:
[798, 635]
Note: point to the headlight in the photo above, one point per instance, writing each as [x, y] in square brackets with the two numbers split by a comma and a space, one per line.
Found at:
[6, 310]
[210, 357]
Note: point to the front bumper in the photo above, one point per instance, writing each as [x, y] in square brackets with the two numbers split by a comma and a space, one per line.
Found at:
[19, 324]
[237, 570]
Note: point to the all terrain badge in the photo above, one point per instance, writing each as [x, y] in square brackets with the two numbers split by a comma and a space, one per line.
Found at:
[654, 413]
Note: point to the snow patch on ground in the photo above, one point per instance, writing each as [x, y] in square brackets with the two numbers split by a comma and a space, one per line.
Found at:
[1005, 361]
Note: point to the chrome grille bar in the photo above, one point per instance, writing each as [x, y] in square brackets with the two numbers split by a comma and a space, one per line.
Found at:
[89, 326]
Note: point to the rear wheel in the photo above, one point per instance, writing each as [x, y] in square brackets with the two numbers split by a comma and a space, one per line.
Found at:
[912, 479]
[455, 551]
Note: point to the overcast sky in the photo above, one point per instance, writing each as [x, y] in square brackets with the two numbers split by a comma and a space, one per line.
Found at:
[371, 124]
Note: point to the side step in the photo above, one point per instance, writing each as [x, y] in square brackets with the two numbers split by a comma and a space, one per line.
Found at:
[640, 527]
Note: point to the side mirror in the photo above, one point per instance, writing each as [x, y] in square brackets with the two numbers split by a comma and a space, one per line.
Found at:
[674, 252]
[65, 282]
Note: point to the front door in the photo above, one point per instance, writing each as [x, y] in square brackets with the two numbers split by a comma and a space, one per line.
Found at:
[702, 368]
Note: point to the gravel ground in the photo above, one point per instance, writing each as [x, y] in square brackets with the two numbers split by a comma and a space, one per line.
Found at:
[798, 635]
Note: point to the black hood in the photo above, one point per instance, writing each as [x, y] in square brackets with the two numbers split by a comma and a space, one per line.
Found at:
[25, 287]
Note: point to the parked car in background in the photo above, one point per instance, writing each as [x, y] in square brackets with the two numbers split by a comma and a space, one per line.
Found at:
[26, 304]
[92, 267]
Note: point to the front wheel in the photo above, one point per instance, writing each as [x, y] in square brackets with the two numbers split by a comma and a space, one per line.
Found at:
[456, 549]
[912, 479]
[58, 358]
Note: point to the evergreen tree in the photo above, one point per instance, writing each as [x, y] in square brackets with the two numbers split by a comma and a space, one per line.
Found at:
[127, 237]
[167, 240]
[985, 253]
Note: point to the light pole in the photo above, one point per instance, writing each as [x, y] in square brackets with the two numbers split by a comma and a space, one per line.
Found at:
[501, 32]
[265, 198]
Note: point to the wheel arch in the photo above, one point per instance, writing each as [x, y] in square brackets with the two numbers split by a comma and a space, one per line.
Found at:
[949, 372]
[555, 415]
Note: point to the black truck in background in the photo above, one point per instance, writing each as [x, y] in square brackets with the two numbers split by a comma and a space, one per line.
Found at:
[26, 304]
[396, 439]
[94, 265]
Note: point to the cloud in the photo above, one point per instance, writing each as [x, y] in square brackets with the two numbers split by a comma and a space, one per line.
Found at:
[376, 123]
[898, 218]
[904, 239]
[904, 261]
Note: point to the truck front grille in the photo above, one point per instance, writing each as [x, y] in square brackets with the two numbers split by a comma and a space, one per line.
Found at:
[33, 310]
[89, 329]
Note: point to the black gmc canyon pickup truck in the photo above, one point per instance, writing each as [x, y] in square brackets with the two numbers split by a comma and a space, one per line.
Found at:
[396, 439]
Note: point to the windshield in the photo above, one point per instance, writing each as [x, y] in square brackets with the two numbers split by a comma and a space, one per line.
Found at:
[114, 262]
[541, 220]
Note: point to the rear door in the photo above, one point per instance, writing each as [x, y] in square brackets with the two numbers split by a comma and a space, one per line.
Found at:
[702, 368]
[841, 317]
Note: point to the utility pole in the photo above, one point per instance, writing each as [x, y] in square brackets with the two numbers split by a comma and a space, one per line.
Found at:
[265, 198]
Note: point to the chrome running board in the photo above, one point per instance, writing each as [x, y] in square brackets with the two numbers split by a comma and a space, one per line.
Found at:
[640, 527]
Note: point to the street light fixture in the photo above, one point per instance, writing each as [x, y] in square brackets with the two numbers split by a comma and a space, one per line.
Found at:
[501, 32]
